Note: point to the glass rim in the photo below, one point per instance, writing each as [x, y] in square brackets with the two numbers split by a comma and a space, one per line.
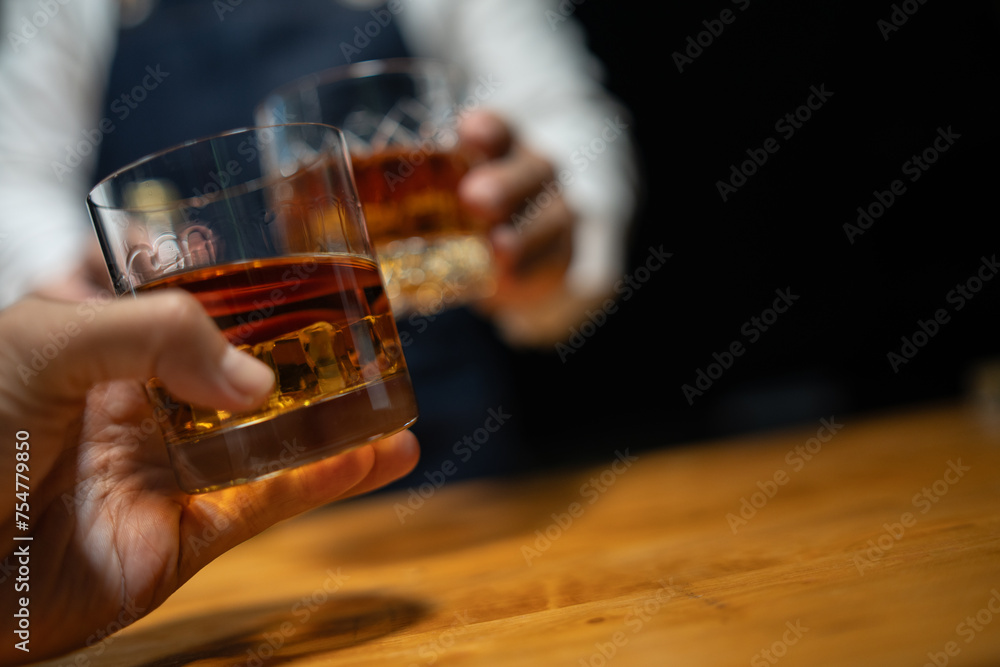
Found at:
[200, 201]
[358, 71]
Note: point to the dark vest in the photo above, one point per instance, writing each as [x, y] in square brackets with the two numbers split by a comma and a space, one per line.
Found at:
[198, 67]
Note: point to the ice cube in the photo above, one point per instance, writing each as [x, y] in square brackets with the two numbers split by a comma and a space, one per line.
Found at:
[392, 353]
[346, 354]
[318, 343]
[295, 374]
[368, 351]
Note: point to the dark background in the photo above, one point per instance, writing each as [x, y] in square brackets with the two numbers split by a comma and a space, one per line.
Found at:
[784, 229]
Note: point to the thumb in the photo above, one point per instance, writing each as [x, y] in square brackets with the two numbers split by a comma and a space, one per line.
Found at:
[67, 348]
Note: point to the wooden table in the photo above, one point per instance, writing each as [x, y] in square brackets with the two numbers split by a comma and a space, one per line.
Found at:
[864, 541]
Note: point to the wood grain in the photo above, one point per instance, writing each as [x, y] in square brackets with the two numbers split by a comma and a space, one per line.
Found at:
[869, 541]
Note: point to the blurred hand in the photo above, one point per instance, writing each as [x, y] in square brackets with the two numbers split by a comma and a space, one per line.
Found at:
[113, 535]
[87, 280]
[508, 180]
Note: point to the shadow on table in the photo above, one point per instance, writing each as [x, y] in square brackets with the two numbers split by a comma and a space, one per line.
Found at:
[271, 634]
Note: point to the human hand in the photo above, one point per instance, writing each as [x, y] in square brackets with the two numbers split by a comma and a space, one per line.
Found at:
[507, 179]
[87, 279]
[112, 534]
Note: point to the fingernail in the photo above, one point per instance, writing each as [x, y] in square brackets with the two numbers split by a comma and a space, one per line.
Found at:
[481, 192]
[249, 378]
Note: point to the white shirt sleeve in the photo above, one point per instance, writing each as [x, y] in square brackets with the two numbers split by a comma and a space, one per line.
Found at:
[54, 59]
[527, 59]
